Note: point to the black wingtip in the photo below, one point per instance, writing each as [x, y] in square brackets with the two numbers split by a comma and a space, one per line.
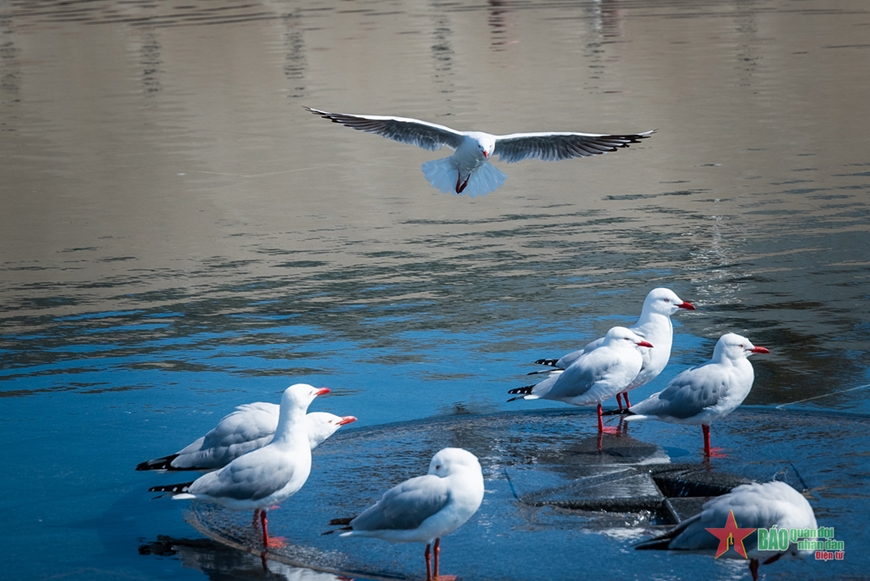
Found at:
[525, 390]
[164, 463]
[547, 362]
[656, 544]
[622, 412]
[173, 488]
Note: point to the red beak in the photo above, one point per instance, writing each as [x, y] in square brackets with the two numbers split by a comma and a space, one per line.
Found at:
[485, 154]
[346, 420]
[759, 350]
[645, 344]
[687, 306]
[322, 391]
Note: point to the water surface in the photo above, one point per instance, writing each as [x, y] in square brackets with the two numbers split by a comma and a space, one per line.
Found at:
[178, 236]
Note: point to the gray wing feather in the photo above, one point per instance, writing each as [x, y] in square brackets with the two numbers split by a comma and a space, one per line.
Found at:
[558, 146]
[429, 136]
[405, 506]
[245, 479]
[686, 395]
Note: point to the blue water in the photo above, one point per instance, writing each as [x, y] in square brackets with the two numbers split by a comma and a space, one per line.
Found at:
[178, 236]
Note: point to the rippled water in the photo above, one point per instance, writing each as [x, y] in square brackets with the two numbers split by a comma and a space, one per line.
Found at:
[178, 236]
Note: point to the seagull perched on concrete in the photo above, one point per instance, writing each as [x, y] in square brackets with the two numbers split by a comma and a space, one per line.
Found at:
[468, 170]
[266, 476]
[706, 393]
[249, 427]
[654, 325]
[751, 506]
[594, 376]
[425, 508]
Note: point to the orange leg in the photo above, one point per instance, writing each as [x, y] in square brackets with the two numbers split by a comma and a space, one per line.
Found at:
[428, 556]
[275, 542]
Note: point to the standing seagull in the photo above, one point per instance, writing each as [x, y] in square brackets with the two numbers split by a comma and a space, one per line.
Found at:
[753, 506]
[266, 476]
[425, 508]
[654, 325]
[250, 427]
[705, 393]
[595, 376]
[468, 170]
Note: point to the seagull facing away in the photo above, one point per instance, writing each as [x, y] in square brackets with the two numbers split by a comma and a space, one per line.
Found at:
[266, 476]
[705, 393]
[595, 376]
[425, 508]
[468, 170]
[248, 428]
[654, 325]
[754, 506]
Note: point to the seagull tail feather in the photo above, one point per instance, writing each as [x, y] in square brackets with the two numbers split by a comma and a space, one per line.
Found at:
[484, 179]
[441, 174]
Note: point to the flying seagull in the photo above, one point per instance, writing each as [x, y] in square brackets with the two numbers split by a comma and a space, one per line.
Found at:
[468, 170]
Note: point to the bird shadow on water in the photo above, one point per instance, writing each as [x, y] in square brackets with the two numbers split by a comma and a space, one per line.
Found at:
[221, 562]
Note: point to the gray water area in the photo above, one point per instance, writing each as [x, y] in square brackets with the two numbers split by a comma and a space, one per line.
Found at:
[178, 237]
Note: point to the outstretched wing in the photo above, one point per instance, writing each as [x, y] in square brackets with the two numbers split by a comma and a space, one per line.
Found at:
[556, 146]
[412, 131]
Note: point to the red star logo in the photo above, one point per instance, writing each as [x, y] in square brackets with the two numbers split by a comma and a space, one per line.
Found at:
[731, 535]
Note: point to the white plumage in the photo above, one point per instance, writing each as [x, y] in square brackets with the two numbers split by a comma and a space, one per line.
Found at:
[266, 476]
[754, 506]
[249, 427]
[706, 393]
[595, 376]
[468, 170]
[654, 325]
[425, 508]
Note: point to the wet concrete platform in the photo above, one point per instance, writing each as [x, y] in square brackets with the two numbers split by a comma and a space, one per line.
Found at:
[561, 499]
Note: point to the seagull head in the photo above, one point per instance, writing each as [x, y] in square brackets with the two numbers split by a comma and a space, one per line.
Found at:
[300, 395]
[664, 301]
[486, 144]
[622, 337]
[450, 460]
[734, 346]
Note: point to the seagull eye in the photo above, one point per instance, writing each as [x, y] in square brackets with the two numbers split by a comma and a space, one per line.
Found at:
[667, 300]
[438, 467]
[741, 345]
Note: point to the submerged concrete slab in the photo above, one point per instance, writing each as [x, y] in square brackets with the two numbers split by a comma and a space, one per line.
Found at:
[559, 497]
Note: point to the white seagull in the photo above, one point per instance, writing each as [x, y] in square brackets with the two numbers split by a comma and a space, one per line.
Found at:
[754, 506]
[250, 427]
[595, 376]
[425, 508]
[654, 325]
[266, 476]
[705, 393]
[468, 170]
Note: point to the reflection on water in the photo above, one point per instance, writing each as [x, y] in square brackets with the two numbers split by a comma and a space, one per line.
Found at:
[178, 236]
